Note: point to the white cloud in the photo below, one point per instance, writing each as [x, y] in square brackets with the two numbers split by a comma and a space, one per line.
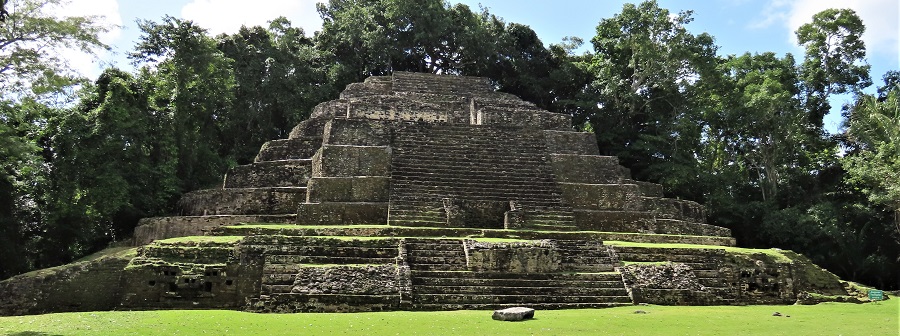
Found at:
[227, 16]
[108, 15]
[879, 16]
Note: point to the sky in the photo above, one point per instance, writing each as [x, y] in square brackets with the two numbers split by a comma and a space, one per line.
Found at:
[739, 26]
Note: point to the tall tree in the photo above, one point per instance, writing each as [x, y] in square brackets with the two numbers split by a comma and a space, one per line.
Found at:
[195, 86]
[30, 69]
[30, 39]
[644, 68]
[279, 77]
[834, 62]
[873, 127]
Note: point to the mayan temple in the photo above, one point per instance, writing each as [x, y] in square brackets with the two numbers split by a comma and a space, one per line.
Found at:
[425, 192]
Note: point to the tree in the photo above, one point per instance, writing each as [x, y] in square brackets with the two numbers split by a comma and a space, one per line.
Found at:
[114, 163]
[873, 127]
[834, 62]
[194, 84]
[279, 78]
[30, 69]
[644, 70]
[30, 39]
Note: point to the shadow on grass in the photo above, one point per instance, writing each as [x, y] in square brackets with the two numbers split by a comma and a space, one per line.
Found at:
[31, 333]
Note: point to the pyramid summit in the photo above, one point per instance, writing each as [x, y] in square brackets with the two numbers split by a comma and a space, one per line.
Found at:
[426, 192]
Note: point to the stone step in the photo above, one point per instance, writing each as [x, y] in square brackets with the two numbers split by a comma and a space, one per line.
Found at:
[291, 302]
[298, 259]
[485, 195]
[611, 276]
[408, 187]
[525, 298]
[461, 173]
[508, 290]
[458, 259]
[438, 267]
[653, 257]
[329, 251]
[514, 282]
[416, 223]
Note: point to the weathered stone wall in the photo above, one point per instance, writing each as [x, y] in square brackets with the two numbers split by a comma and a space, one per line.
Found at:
[357, 132]
[568, 142]
[596, 169]
[617, 197]
[525, 257]
[242, 201]
[289, 149]
[348, 161]
[284, 173]
[82, 286]
[338, 213]
[348, 280]
[156, 228]
[348, 189]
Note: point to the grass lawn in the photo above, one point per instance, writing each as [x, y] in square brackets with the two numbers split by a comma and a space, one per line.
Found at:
[823, 319]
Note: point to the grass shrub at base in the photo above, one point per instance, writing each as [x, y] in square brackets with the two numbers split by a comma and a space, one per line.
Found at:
[823, 319]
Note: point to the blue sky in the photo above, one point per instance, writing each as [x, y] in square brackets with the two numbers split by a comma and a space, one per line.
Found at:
[739, 26]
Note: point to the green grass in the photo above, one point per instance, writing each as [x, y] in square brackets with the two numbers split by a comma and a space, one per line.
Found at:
[774, 253]
[201, 239]
[822, 319]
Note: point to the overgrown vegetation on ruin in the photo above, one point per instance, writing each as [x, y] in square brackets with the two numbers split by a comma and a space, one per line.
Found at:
[742, 134]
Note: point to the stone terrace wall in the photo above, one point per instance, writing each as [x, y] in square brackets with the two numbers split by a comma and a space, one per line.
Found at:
[83, 286]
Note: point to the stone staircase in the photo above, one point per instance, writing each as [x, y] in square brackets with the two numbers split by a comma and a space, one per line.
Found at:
[439, 162]
[445, 290]
[586, 256]
[285, 256]
[705, 263]
[435, 254]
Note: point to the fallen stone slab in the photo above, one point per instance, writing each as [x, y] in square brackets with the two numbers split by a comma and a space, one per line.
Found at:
[513, 314]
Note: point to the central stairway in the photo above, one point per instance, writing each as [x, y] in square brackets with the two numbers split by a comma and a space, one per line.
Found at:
[436, 167]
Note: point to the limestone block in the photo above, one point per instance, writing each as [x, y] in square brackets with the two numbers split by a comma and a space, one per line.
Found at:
[312, 127]
[348, 189]
[513, 314]
[375, 85]
[475, 214]
[451, 85]
[356, 132]
[648, 189]
[347, 280]
[156, 228]
[402, 108]
[525, 257]
[289, 149]
[534, 118]
[338, 213]
[601, 196]
[575, 168]
[285, 173]
[569, 142]
[243, 201]
[678, 227]
[674, 209]
[347, 161]
[615, 221]
[81, 286]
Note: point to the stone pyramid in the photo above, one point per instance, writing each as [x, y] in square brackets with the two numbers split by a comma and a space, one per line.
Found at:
[428, 192]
